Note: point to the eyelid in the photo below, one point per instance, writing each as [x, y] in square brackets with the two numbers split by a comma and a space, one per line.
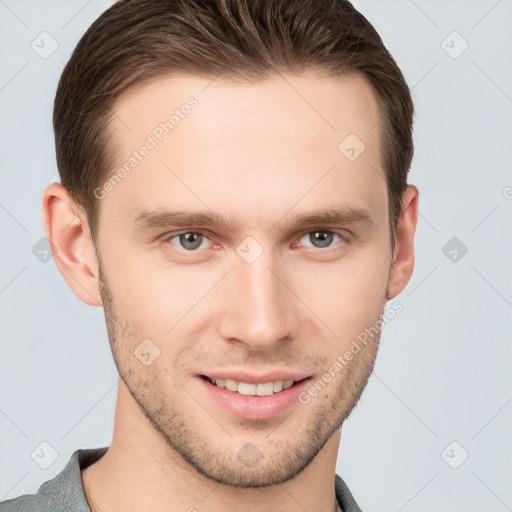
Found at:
[341, 233]
[344, 238]
[168, 236]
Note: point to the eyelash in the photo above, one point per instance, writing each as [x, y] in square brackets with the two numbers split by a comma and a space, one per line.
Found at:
[343, 239]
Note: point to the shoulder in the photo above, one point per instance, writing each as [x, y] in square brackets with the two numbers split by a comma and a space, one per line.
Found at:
[62, 493]
[344, 496]
[25, 503]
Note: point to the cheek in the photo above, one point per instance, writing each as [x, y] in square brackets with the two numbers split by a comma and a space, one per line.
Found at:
[158, 300]
[348, 296]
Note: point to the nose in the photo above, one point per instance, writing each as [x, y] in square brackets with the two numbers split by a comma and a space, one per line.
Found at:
[259, 310]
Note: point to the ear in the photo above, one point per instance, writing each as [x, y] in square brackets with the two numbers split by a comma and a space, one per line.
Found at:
[403, 258]
[67, 229]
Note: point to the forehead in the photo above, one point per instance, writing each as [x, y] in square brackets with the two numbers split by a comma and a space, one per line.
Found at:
[205, 142]
[326, 106]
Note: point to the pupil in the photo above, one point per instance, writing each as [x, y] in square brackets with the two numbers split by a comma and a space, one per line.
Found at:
[188, 238]
[324, 238]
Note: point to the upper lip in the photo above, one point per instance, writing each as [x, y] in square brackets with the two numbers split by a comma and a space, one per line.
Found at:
[256, 378]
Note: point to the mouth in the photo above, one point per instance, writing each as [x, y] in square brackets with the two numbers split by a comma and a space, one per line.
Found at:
[261, 399]
[253, 389]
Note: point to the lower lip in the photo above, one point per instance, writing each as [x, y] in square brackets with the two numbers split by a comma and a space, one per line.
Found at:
[255, 407]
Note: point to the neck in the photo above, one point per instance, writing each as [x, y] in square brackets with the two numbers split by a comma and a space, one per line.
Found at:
[137, 476]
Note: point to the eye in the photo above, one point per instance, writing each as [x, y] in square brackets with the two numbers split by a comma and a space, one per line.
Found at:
[322, 238]
[189, 240]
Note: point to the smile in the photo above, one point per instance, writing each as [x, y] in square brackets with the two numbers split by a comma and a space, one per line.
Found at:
[247, 388]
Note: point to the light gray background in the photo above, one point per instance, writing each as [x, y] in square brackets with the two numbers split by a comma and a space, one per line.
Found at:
[443, 373]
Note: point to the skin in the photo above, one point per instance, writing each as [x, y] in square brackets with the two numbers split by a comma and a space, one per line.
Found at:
[258, 155]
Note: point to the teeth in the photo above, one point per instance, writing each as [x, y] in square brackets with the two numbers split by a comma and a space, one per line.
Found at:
[246, 388]
[287, 384]
[231, 384]
[278, 386]
[264, 389]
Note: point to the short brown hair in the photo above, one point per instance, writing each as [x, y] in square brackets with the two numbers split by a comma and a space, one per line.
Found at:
[136, 41]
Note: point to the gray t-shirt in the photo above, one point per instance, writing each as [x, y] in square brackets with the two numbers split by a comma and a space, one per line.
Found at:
[64, 492]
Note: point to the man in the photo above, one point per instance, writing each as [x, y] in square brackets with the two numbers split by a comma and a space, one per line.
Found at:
[234, 194]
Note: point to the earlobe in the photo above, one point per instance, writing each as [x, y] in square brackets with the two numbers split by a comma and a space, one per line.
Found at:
[67, 229]
[403, 264]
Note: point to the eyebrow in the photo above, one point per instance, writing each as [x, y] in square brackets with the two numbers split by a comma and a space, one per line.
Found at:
[180, 218]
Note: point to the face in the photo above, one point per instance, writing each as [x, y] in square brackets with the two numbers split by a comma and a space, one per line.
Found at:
[244, 245]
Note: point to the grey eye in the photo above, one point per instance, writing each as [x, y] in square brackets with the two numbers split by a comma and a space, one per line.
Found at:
[324, 238]
[321, 238]
[190, 240]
